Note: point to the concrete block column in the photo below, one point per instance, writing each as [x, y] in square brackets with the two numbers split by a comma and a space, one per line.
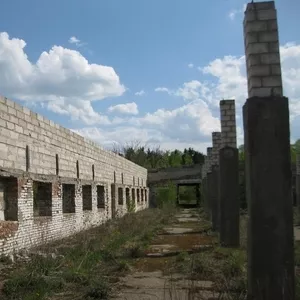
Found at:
[268, 161]
[204, 185]
[152, 197]
[216, 142]
[262, 50]
[209, 181]
[298, 182]
[229, 180]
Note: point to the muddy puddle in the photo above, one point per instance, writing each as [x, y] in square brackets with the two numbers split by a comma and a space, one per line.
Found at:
[153, 274]
[182, 242]
[153, 264]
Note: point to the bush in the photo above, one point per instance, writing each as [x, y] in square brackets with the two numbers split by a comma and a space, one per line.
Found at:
[166, 196]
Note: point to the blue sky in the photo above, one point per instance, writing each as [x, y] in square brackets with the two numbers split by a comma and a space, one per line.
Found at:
[192, 50]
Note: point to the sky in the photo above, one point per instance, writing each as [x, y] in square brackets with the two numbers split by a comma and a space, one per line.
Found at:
[146, 71]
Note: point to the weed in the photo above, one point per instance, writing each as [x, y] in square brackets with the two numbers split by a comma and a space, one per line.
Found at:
[234, 265]
[131, 206]
[5, 259]
[83, 265]
[182, 257]
[123, 265]
[98, 290]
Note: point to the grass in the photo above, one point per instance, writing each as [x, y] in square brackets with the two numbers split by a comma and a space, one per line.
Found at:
[86, 265]
[225, 267]
[89, 265]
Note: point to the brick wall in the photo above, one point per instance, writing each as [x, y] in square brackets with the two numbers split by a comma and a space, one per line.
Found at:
[21, 225]
[209, 151]
[216, 143]
[262, 50]
[228, 123]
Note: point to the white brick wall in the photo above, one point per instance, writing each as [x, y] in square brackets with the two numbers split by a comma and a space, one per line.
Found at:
[20, 127]
[46, 139]
[204, 167]
[262, 50]
[228, 123]
[208, 159]
[216, 142]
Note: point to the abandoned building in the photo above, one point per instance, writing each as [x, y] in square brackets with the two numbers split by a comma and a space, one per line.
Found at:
[54, 182]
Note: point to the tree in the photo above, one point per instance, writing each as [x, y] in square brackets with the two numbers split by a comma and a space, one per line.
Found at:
[154, 157]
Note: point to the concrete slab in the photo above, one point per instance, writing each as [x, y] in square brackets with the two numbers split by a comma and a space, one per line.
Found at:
[177, 230]
[187, 219]
[151, 282]
[297, 233]
[154, 285]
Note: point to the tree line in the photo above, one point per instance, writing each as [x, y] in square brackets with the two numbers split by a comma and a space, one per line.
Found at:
[155, 157]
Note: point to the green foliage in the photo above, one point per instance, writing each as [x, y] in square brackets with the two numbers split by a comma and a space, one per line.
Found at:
[188, 194]
[153, 158]
[295, 149]
[130, 206]
[166, 196]
[182, 257]
[85, 264]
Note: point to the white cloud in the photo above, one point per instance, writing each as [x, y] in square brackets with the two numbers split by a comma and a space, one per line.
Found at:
[127, 108]
[162, 89]
[235, 12]
[77, 42]
[74, 40]
[61, 76]
[140, 93]
[191, 66]
[191, 125]
[67, 84]
[189, 91]
[78, 110]
[232, 14]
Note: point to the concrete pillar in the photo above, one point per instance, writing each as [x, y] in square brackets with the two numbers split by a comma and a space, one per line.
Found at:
[268, 161]
[228, 180]
[177, 194]
[298, 184]
[152, 197]
[209, 181]
[204, 194]
[229, 197]
[216, 142]
[203, 185]
[198, 195]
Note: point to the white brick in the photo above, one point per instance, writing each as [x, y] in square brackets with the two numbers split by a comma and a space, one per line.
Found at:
[272, 81]
[258, 71]
[69, 147]
[256, 26]
[268, 36]
[260, 92]
[257, 48]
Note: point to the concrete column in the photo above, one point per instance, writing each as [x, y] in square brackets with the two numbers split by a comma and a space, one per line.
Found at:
[268, 161]
[228, 180]
[216, 142]
[177, 194]
[203, 185]
[204, 194]
[209, 181]
[298, 183]
[229, 198]
[152, 197]
[198, 195]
